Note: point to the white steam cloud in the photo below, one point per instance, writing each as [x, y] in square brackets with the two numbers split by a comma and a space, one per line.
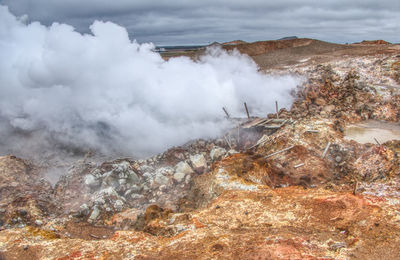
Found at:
[102, 91]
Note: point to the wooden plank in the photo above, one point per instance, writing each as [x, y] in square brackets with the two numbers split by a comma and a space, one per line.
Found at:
[254, 122]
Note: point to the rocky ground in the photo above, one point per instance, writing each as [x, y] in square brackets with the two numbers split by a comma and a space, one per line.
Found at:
[301, 191]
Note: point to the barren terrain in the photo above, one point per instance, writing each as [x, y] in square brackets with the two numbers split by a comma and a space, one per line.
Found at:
[293, 187]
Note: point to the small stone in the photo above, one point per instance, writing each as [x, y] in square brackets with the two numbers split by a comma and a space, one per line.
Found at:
[99, 201]
[84, 210]
[320, 102]
[133, 178]
[110, 181]
[135, 196]
[232, 151]
[95, 214]
[127, 193]
[188, 178]
[118, 205]
[328, 108]
[135, 188]
[179, 176]
[336, 246]
[122, 181]
[38, 222]
[161, 179]
[338, 159]
[217, 153]
[110, 191]
[22, 212]
[26, 247]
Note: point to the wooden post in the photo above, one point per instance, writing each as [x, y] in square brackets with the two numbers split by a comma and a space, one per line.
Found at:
[247, 111]
[238, 138]
[226, 112]
[355, 188]
[277, 110]
[326, 150]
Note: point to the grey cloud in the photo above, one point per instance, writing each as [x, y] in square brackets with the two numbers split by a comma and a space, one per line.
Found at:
[192, 22]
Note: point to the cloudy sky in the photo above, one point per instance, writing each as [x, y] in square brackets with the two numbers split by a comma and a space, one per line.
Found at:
[200, 22]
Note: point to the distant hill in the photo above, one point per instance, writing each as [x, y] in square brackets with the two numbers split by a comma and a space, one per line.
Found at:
[261, 47]
[234, 42]
[288, 38]
[374, 42]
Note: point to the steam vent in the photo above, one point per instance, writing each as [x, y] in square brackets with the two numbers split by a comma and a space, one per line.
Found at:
[111, 149]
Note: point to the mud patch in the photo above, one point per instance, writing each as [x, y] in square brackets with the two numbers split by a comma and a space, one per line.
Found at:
[88, 232]
[366, 132]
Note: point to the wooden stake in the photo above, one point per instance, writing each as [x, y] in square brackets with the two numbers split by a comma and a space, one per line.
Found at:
[278, 152]
[226, 112]
[247, 111]
[355, 188]
[238, 138]
[277, 110]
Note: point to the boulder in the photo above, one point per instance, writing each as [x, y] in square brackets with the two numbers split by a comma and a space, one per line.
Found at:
[179, 176]
[217, 153]
[91, 181]
[183, 167]
[199, 163]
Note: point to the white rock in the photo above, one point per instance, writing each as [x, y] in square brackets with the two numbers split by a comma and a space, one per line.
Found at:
[118, 205]
[127, 193]
[179, 176]
[122, 181]
[99, 201]
[199, 162]
[188, 178]
[135, 196]
[161, 179]
[135, 188]
[38, 222]
[217, 153]
[91, 181]
[133, 177]
[232, 151]
[183, 167]
[84, 209]
[110, 191]
[95, 214]
[166, 171]
[110, 181]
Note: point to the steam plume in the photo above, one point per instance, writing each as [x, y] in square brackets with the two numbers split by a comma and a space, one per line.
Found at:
[102, 91]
